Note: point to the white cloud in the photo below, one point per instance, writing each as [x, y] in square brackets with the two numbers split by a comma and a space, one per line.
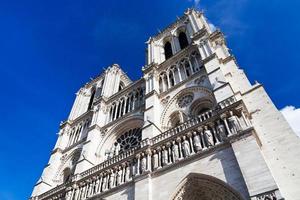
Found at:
[212, 27]
[292, 115]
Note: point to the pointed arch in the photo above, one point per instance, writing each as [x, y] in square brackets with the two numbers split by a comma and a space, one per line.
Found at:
[196, 186]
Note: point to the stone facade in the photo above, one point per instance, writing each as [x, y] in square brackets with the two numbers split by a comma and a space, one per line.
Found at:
[193, 127]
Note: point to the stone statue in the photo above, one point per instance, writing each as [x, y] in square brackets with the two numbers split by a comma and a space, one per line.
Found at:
[233, 123]
[119, 176]
[208, 136]
[164, 155]
[197, 141]
[175, 151]
[143, 163]
[221, 130]
[185, 147]
[104, 183]
[127, 176]
[155, 159]
[97, 185]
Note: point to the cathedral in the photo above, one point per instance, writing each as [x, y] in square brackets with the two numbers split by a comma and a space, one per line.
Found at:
[192, 127]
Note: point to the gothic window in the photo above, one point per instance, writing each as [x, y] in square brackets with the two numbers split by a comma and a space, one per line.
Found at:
[160, 84]
[171, 77]
[168, 50]
[91, 98]
[183, 42]
[129, 139]
[187, 69]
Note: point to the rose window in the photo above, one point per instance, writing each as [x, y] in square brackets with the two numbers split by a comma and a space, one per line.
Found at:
[130, 139]
[185, 100]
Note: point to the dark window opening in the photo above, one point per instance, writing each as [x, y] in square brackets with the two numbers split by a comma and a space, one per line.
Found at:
[183, 42]
[168, 50]
[91, 99]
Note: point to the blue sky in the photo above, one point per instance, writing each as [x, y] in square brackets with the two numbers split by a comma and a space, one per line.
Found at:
[49, 49]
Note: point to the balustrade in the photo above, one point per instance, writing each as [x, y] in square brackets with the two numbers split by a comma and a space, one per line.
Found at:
[195, 136]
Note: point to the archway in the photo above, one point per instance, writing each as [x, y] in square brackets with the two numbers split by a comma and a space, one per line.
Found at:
[203, 187]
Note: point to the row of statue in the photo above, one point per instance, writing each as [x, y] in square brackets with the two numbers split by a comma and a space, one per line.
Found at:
[157, 157]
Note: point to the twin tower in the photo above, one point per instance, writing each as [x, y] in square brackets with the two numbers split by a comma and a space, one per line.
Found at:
[193, 127]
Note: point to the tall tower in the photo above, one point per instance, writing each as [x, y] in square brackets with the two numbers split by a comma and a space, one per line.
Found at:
[193, 127]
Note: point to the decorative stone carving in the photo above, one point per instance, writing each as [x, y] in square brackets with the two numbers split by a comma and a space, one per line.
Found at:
[197, 141]
[175, 151]
[165, 100]
[164, 155]
[185, 147]
[221, 130]
[233, 123]
[185, 100]
[208, 137]
[155, 159]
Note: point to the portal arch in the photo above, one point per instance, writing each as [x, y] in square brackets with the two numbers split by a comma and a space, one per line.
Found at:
[197, 186]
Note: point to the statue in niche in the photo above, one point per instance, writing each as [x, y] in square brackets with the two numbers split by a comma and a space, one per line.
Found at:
[233, 123]
[185, 147]
[164, 155]
[197, 141]
[221, 130]
[175, 151]
[104, 182]
[208, 137]
[143, 163]
[97, 184]
[119, 175]
[127, 175]
[155, 159]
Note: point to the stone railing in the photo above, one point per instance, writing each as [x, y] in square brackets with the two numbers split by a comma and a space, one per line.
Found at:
[194, 137]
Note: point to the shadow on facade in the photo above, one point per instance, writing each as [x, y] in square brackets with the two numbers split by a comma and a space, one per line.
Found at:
[232, 172]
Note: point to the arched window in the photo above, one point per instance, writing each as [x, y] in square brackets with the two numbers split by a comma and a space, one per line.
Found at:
[168, 50]
[183, 42]
[91, 98]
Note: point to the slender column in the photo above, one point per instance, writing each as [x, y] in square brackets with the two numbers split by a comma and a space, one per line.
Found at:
[179, 73]
[189, 135]
[180, 148]
[159, 157]
[226, 125]
[168, 79]
[168, 145]
[138, 164]
[191, 66]
[247, 122]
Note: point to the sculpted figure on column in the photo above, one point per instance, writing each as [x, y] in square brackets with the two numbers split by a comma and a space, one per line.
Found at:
[155, 159]
[164, 155]
[119, 176]
[185, 147]
[127, 175]
[143, 163]
[233, 123]
[221, 130]
[208, 136]
[175, 151]
[197, 141]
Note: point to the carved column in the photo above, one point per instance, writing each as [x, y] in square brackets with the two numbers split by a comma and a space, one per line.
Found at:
[189, 135]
